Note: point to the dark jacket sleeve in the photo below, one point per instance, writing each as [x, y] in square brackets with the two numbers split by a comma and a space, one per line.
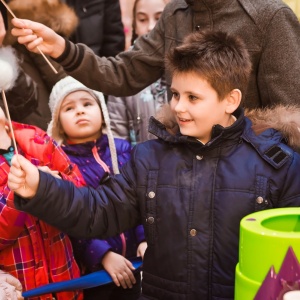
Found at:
[85, 212]
[22, 98]
[280, 60]
[113, 31]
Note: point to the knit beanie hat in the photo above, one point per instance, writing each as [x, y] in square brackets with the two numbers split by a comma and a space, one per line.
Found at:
[60, 90]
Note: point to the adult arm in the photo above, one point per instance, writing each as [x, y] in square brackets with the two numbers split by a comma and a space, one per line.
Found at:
[126, 74]
[278, 74]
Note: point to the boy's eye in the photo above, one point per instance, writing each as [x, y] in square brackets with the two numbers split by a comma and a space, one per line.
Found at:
[192, 97]
[175, 95]
[68, 108]
[87, 104]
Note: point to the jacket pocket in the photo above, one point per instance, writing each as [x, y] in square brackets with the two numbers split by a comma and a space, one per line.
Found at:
[151, 209]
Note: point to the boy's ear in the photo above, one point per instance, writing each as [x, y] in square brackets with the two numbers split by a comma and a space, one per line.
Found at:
[233, 99]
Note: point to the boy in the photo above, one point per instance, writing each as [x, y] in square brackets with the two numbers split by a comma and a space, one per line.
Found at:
[191, 187]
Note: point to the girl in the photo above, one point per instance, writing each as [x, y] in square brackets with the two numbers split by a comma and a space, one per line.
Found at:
[129, 115]
[79, 123]
[31, 250]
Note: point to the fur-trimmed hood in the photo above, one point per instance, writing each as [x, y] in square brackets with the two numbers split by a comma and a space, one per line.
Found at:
[285, 119]
[53, 13]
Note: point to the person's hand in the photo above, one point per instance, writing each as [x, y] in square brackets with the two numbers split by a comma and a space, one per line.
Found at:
[10, 287]
[33, 35]
[23, 177]
[141, 249]
[52, 172]
[2, 30]
[119, 268]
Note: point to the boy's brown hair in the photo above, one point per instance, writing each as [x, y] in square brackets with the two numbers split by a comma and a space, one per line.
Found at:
[218, 57]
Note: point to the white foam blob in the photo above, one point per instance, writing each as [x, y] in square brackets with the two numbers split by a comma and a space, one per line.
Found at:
[9, 68]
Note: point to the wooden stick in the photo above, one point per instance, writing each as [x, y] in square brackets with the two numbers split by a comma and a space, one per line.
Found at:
[46, 59]
[41, 52]
[9, 121]
[8, 8]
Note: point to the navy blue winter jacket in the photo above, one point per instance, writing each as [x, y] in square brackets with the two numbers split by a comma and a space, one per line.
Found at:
[190, 198]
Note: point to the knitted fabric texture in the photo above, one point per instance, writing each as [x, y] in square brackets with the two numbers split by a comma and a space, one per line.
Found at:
[60, 90]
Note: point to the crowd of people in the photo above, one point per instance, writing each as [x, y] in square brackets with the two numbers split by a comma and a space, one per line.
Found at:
[156, 150]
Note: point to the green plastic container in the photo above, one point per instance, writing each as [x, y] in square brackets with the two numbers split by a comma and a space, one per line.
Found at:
[264, 241]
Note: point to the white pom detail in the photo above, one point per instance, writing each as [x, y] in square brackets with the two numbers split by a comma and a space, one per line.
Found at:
[9, 68]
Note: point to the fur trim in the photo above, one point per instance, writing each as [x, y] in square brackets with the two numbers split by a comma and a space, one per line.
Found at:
[165, 116]
[53, 13]
[285, 119]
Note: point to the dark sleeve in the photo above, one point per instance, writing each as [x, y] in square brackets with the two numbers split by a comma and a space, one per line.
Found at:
[22, 97]
[84, 212]
[124, 75]
[278, 74]
[113, 31]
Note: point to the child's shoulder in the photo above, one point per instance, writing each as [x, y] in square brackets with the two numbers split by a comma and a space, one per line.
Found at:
[28, 132]
[122, 145]
[275, 138]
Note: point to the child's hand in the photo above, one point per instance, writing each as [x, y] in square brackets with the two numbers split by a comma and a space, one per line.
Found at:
[10, 287]
[141, 249]
[52, 172]
[23, 177]
[33, 35]
[119, 268]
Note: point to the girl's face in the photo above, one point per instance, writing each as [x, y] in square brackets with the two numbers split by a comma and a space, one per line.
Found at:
[80, 117]
[147, 14]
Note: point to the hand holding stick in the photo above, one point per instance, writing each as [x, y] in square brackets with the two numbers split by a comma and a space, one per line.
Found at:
[44, 56]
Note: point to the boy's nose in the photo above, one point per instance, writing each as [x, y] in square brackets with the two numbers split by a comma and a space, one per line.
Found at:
[180, 107]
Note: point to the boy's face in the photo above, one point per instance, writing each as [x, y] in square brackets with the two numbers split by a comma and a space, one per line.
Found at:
[196, 106]
[80, 117]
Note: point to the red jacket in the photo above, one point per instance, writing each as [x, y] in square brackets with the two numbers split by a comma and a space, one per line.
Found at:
[31, 250]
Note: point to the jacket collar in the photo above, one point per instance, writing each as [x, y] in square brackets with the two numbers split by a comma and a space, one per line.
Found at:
[85, 149]
[220, 134]
[204, 5]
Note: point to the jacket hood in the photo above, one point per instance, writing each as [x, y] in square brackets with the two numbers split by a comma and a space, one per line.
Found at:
[53, 13]
[283, 118]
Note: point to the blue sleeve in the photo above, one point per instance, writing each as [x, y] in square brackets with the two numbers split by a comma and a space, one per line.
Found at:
[140, 234]
[84, 212]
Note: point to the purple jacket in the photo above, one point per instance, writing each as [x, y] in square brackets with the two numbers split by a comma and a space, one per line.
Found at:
[89, 253]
